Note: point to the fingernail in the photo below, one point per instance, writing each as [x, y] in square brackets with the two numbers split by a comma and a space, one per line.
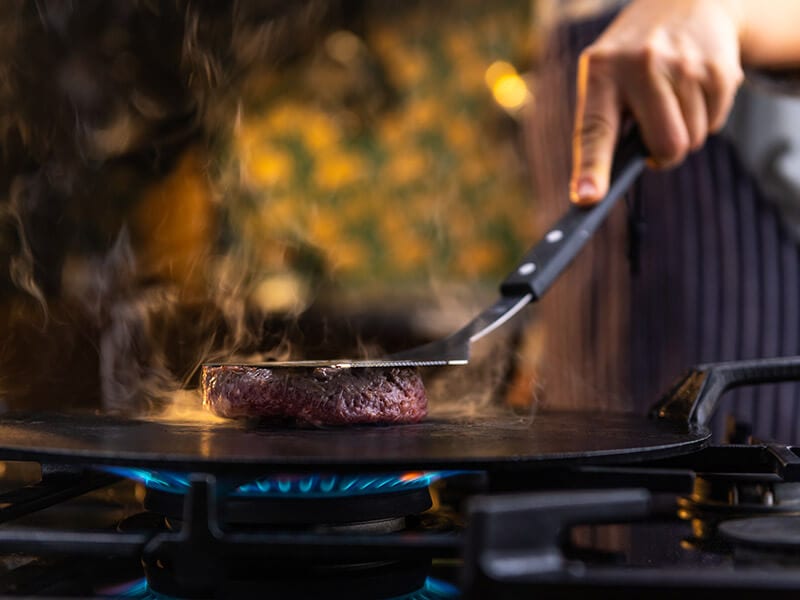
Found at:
[585, 189]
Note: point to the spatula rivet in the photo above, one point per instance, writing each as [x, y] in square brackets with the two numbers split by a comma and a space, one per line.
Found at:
[526, 268]
[554, 236]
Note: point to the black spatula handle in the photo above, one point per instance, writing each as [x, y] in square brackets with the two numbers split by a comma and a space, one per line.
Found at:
[543, 263]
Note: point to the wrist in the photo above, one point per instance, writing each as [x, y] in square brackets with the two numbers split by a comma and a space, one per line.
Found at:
[737, 12]
[766, 31]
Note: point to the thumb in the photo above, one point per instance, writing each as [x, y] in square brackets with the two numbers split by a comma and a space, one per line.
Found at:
[597, 122]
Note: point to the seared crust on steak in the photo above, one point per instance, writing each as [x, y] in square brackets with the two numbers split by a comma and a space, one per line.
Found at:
[319, 396]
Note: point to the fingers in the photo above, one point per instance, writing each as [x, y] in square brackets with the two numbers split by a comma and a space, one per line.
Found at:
[676, 101]
[720, 91]
[675, 66]
[656, 107]
[596, 126]
[694, 110]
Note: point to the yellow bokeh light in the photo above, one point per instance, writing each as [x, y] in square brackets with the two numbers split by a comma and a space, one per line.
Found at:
[350, 255]
[343, 46]
[269, 167]
[408, 250]
[479, 258]
[423, 113]
[497, 70]
[510, 91]
[407, 168]
[338, 170]
[280, 293]
[408, 66]
[460, 133]
[319, 131]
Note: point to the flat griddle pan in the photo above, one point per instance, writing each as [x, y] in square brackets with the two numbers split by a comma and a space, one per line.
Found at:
[677, 425]
[487, 443]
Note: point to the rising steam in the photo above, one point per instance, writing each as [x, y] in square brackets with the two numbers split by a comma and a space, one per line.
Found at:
[101, 100]
[105, 102]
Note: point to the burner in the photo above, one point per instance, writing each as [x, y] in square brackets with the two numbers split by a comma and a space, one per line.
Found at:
[313, 511]
[294, 486]
[134, 589]
[718, 497]
[764, 539]
[370, 502]
[431, 589]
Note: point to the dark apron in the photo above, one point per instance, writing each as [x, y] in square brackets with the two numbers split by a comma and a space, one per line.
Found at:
[697, 269]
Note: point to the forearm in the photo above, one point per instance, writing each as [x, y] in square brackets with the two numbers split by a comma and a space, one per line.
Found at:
[768, 32]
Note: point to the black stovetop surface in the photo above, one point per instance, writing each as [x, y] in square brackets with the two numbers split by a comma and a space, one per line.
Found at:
[617, 530]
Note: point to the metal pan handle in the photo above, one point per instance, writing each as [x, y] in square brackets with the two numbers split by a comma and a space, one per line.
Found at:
[543, 263]
[694, 398]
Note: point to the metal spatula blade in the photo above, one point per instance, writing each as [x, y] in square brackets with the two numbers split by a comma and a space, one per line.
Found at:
[532, 277]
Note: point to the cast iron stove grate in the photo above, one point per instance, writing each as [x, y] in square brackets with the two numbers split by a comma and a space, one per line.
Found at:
[191, 561]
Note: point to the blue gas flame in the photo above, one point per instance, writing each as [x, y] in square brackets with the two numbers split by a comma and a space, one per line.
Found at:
[434, 589]
[294, 486]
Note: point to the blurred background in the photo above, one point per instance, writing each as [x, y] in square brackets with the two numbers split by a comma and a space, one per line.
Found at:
[250, 180]
[388, 155]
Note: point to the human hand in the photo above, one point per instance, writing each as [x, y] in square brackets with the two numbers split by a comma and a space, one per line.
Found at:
[674, 66]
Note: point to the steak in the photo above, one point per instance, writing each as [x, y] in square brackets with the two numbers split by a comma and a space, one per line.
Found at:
[317, 396]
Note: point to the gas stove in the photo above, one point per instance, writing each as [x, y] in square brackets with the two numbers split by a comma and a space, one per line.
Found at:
[440, 513]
